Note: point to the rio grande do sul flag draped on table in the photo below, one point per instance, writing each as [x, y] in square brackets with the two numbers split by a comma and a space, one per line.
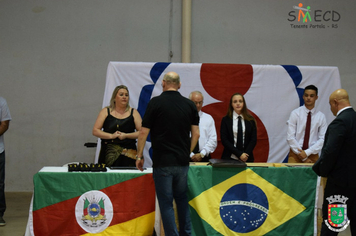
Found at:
[120, 205]
[252, 201]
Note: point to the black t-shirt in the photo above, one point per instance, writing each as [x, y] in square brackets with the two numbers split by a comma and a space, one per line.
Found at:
[169, 117]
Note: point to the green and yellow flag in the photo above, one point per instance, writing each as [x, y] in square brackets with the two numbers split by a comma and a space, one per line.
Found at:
[74, 204]
[252, 201]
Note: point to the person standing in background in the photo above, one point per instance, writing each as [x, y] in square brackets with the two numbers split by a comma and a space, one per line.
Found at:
[306, 129]
[238, 131]
[208, 139]
[5, 118]
[118, 126]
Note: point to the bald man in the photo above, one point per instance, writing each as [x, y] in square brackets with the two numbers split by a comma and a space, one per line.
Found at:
[170, 118]
[337, 162]
[208, 140]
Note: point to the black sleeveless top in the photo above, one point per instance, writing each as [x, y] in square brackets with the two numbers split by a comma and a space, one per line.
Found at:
[126, 125]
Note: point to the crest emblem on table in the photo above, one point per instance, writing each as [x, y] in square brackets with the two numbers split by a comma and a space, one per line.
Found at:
[94, 211]
[337, 213]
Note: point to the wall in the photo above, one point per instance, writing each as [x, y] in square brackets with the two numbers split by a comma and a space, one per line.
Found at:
[54, 56]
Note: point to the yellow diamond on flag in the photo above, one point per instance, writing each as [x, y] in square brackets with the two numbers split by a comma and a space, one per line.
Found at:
[245, 204]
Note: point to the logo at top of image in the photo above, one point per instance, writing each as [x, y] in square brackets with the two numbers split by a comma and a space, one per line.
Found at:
[94, 211]
[337, 213]
[244, 208]
[303, 13]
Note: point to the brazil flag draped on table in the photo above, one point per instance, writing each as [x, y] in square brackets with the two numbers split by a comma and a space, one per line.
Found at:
[252, 201]
[93, 203]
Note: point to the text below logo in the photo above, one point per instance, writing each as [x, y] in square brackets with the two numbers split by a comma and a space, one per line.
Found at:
[304, 16]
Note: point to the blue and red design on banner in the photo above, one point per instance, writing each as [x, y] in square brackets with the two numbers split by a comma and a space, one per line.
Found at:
[271, 93]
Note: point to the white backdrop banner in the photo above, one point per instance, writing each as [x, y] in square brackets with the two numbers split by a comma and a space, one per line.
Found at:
[271, 93]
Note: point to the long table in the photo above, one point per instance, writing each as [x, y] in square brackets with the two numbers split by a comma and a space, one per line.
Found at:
[261, 199]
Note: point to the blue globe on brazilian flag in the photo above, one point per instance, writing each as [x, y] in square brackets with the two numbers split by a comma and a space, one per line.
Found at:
[252, 201]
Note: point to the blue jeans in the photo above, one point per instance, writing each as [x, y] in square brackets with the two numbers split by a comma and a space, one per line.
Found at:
[2, 184]
[171, 183]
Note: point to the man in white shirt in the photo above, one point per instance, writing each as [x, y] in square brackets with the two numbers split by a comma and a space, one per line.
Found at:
[302, 150]
[208, 139]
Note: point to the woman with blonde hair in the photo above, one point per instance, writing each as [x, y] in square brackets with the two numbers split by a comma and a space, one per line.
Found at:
[118, 126]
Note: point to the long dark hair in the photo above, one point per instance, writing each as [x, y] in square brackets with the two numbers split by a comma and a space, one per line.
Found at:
[244, 111]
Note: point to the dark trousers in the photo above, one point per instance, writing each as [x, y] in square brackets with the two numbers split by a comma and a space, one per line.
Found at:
[171, 183]
[332, 189]
[2, 184]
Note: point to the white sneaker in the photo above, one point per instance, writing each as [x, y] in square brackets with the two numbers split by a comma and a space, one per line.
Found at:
[2, 221]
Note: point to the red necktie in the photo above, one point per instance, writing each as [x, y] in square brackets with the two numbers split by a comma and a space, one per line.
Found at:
[307, 133]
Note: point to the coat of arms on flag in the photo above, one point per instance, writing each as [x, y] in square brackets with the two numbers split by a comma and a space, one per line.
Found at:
[78, 204]
[337, 215]
[94, 211]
